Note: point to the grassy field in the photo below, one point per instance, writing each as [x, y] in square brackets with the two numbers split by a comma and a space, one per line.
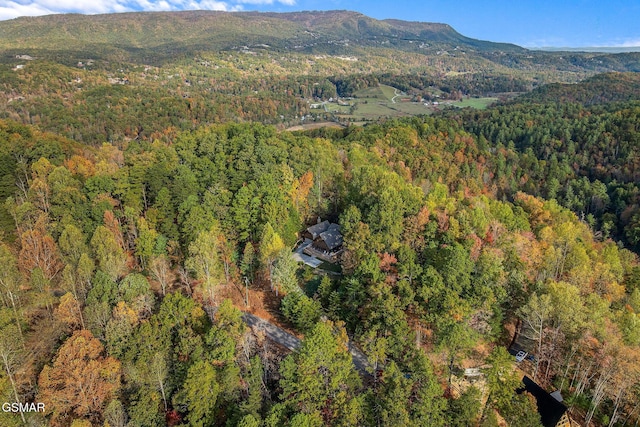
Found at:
[308, 126]
[479, 103]
[388, 92]
[376, 102]
[371, 110]
[338, 109]
[386, 101]
[411, 108]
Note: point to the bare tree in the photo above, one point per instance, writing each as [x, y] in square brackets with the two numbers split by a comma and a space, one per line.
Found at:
[10, 356]
[535, 316]
[160, 269]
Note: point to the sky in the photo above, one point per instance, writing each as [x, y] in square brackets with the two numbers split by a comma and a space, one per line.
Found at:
[528, 23]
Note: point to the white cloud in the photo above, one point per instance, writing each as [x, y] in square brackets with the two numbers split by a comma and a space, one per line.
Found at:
[631, 43]
[10, 10]
[285, 2]
[14, 8]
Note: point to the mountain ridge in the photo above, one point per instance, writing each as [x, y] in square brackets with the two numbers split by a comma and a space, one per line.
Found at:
[157, 38]
[148, 29]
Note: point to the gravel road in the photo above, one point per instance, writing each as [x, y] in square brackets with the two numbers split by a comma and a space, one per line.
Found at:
[284, 338]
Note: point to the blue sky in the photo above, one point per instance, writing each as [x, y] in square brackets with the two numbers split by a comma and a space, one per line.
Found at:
[529, 23]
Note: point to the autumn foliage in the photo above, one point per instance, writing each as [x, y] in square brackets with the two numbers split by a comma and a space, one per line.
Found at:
[80, 381]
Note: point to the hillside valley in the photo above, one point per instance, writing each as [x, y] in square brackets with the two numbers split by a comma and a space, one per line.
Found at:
[314, 219]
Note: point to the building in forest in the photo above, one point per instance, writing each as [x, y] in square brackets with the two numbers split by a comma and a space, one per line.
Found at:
[553, 413]
[326, 241]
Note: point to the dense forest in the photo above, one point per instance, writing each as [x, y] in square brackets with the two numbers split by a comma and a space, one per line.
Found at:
[149, 216]
[120, 265]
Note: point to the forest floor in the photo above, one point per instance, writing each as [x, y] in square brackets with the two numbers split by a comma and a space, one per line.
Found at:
[263, 303]
[263, 312]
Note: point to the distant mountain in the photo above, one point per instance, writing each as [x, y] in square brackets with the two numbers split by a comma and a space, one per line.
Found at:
[163, 37]
[154, 35]
[601, 49]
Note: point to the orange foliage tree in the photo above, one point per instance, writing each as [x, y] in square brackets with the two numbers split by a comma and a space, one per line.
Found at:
[80, 381]
[39, 250]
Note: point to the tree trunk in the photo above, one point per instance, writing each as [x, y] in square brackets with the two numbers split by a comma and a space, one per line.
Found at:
[13, 384]
[598, 395]
[15, 313]
[635, 408]
[566, 371]
[614, 415]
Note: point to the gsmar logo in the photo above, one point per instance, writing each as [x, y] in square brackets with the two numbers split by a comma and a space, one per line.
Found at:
[22, 407]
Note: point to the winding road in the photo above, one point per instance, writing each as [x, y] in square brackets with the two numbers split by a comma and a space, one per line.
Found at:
[397, 94]
[285, 339]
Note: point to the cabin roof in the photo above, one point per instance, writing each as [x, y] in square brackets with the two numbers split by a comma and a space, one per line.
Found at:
[317, 229]
[332, 237]
[550, 410]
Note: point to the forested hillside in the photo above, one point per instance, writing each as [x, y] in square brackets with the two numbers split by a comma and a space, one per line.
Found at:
[599, 89]
[151, 201]
[118, 259]
[104, 78]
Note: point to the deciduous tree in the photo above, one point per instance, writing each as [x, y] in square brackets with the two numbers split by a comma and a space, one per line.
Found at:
[81, 379]
[204, 262]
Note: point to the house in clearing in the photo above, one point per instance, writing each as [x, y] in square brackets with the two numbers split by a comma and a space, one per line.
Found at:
[326, 241]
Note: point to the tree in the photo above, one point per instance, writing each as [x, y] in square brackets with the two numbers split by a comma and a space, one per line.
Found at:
[11, 353]
[271, 245]
[72, 244]
[69, 312]
[145, 242]
[248, 263]
[300, 191]
[159, 372]
[319, 378]
[199, 394]
[109, 253]
[465, 410]
[119, 329]
[10, 284]
[143, 409]
[226, 334]
[522, 411]
[248, 268]
[81, 380]
[254, 380]
[39, 190]
[456, 338]
[249, 421]
[283, 273]
[160, 269]
[83, 274]
[148, 364]
[204, 262]
[166, 214]
[428, 404]
[134, 289]
[115, 414]
[502, 378]
[301, 310]
[503, 381]
[390, 405]
[240, 212]
[536, 315]
[408, 266]
[227, 255]
[39, 250]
